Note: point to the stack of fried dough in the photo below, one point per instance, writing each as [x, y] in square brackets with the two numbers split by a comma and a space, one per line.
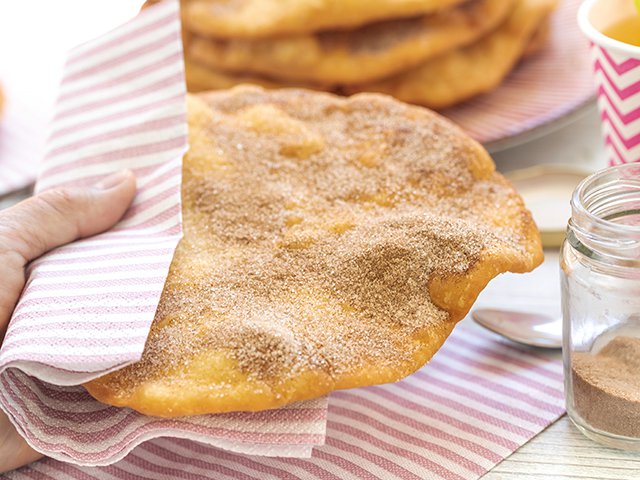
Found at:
[435, 53]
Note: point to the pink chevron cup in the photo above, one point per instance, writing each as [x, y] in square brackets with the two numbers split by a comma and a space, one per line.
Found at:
[617, 74]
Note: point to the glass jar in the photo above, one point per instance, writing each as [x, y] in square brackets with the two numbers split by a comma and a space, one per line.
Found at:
[600, 274]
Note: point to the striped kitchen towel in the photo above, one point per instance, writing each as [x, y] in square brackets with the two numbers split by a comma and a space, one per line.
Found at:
[477, 401]
[87, 307]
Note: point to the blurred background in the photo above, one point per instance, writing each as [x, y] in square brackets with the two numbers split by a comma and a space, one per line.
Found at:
[532, 118]
[34, 39]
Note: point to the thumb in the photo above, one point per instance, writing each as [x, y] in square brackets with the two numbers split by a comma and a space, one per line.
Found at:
[57, 217]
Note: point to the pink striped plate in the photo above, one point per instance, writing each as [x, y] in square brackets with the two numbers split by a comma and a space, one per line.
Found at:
[546, 92]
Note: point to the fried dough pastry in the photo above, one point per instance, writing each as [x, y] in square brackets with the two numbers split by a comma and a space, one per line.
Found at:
[329, 243]
[200, 78]
[264, 18]
[366, 54]
[465, 73]
[539, 39]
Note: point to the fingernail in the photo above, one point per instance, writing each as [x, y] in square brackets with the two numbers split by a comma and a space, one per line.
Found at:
[112, 180]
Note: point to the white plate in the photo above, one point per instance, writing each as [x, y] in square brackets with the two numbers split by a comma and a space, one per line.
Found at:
[547, 191]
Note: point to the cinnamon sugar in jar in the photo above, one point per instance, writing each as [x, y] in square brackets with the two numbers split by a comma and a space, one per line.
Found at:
[600, 273]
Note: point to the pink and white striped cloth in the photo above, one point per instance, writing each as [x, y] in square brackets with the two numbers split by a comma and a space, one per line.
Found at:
[87, 307]
[542, 92]
[478, 400]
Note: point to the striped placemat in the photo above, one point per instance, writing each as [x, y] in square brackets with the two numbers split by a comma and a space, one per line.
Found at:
[542, 90]
[477, 401]
[87, 307]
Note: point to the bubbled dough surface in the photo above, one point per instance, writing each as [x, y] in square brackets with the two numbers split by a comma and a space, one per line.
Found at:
[328, 243]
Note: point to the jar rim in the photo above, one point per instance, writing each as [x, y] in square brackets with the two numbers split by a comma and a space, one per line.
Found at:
[628, 171]
[607, 195]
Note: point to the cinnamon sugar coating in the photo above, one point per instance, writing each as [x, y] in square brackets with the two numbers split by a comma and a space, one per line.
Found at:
[328, 243]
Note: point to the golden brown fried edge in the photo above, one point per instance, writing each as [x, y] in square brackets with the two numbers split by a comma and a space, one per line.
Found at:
[454, 293]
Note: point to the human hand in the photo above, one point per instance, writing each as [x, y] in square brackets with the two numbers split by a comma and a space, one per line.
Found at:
[30, 229]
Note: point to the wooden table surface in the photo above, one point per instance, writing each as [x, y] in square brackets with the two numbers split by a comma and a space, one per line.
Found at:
[561, 451]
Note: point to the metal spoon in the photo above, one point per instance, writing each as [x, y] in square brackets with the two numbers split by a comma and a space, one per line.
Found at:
[533, 329]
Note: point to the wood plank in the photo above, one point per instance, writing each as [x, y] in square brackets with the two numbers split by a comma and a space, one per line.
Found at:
[562, 452]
